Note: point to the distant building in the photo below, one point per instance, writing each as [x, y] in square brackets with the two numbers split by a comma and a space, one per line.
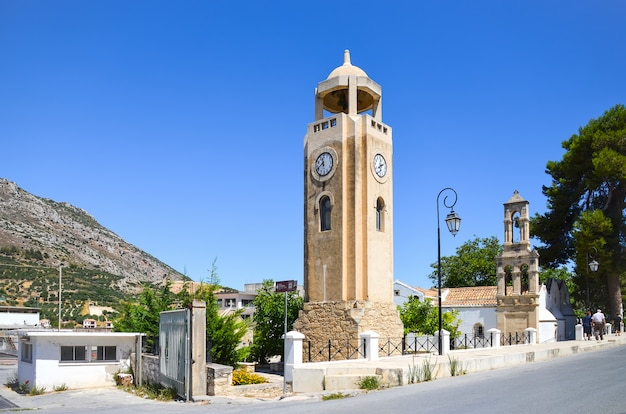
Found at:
[89, 323]
[15, 317]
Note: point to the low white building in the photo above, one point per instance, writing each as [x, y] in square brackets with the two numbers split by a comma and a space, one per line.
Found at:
[83, 359]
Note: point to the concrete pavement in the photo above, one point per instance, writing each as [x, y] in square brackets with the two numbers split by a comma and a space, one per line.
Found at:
[469, 361]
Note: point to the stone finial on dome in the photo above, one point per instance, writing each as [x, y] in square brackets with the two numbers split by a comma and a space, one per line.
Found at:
[347, 68]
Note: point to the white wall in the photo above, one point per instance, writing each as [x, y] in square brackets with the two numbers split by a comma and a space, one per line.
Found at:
[404, 292]
[46, 369]
[469, 316]
[20, 319]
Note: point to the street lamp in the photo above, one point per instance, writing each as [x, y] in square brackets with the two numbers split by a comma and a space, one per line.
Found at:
[453, 221]
[594, 268]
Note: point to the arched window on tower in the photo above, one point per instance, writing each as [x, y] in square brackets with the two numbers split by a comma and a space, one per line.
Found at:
[380, 218]
[325, 213]
[516, 230]
[524, 274]
[508, 278]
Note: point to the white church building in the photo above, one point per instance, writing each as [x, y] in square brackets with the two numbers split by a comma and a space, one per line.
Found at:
[518, 301]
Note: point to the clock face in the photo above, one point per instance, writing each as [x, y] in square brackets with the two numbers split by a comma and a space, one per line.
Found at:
[324, 163]
[380, 165]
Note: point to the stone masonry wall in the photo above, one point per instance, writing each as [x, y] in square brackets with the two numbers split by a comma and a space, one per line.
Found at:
[341, 322]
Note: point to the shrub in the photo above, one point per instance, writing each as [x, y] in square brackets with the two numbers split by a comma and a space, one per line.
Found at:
[456, 367]
[12, 381]
[59, 388]
[37, 390]
[243, 377]
[369, 383]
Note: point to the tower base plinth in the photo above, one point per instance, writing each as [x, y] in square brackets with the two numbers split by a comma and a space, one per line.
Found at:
[332, 329]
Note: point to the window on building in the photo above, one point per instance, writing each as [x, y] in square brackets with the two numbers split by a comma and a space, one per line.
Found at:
[325, 213]
[479, 331]
[91, 353]
[26, 352]
[105, 353]
[73, 353]
[380, 207]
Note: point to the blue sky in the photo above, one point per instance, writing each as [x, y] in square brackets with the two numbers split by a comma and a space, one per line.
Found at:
[179, 125]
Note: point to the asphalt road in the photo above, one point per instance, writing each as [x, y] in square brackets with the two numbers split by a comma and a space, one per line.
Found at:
[590, 382]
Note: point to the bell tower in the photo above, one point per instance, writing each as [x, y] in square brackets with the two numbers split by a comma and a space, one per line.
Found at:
[517, 271]
[348, 219]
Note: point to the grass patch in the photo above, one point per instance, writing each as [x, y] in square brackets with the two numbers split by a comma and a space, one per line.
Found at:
[152, 392]
[36, 390]
[335, 396]
[369, 383]
[456, 367]
[429, 370]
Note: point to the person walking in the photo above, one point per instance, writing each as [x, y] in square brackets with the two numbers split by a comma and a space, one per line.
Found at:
[617, 324]
[587, 326]
[598, 321]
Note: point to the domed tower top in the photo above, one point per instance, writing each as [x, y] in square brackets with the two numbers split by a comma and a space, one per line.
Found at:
[348, 89]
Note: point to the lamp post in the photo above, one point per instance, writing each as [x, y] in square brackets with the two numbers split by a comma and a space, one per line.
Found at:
[594, 268]
[453, 221]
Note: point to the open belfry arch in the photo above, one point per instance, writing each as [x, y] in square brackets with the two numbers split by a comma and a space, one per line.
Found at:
[348, 220]
[517, 272]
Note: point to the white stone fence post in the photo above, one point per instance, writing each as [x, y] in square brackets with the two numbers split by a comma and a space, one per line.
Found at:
[496, 336]
[579, 332]
[445, 341]
[531, 334]
[293, 354]
[370, 342]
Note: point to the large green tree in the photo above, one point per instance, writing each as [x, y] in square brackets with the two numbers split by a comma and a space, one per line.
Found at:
[423, 318]
[141, 314]
[473, 265]
[225, 332]
[269, 320]
[586, 202]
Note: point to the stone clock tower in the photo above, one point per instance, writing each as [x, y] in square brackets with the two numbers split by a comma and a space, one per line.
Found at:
[348, 219]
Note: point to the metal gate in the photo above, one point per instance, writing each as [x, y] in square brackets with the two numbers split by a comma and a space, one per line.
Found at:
[175, 353]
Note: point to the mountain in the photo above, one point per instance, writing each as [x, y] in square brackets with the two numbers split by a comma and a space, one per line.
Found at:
[44, 233]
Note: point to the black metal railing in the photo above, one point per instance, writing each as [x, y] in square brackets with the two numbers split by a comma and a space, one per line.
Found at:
[336, 351]
[469, 341]
[514, 338]
[410, 344]
[413, 344]
[391, 347]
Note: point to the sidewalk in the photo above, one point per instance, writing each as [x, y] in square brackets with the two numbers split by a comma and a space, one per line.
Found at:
[395, 371]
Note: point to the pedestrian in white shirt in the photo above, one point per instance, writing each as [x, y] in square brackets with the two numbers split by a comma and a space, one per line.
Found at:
[598, 320]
